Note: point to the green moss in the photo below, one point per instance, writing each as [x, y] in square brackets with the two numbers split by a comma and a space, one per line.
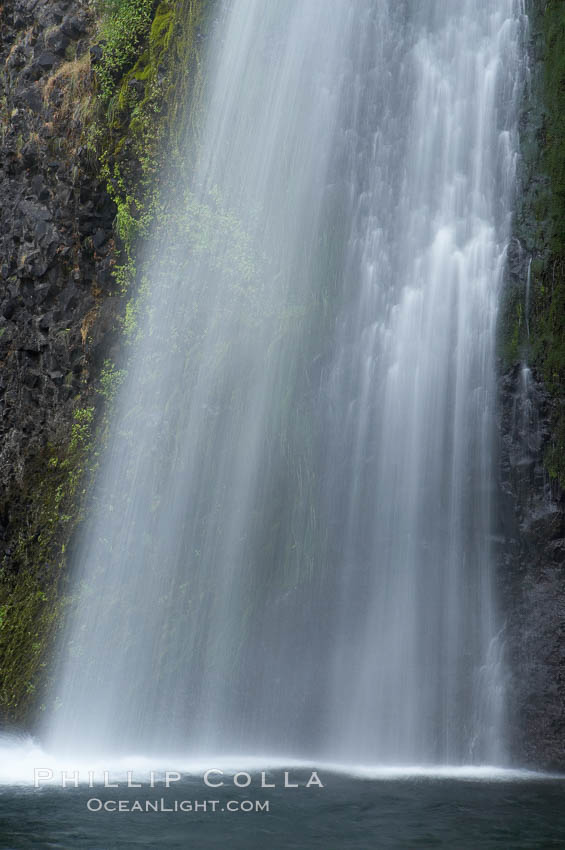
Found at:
[110, 381]
[540, 224]
[554, 146]
[33, 593]
[554, 458]
[142, 123]
[549, 305]
[30, 618]
[512, 332]
[548, 271]
[124, 28]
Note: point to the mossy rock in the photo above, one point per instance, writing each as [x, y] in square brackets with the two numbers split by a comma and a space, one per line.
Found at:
[33, 586]
[540, 226]
[135, 134]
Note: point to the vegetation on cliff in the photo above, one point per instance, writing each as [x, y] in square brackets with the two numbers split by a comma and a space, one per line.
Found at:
[112, 92]
[537, 257]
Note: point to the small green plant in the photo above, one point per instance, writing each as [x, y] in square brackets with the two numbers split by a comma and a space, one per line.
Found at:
[110, 381]
[126, 24]
[80, 432]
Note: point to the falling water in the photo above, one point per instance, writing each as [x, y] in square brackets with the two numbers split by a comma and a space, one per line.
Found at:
[527, 299]
[289, 547]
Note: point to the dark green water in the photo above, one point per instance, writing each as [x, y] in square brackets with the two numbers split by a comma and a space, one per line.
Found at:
[346, 813]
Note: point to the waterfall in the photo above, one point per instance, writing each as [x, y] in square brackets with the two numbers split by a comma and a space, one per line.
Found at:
[289, 548]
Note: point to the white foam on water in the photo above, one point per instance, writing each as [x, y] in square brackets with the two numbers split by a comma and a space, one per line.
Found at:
[22, 757]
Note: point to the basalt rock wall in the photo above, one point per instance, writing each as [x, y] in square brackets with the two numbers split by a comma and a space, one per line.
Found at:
[531, 533]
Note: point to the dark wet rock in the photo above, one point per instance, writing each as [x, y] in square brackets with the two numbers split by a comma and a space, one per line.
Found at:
[32, 99]
[48, 189]
[137, 87]
[95, 54]
[35, 211]
[46, 60]
[57, 41]
[99, 238]
[39, 188]
[9, 308]
[557, 549]
[29, 155]
[531, 572]
[74, 26]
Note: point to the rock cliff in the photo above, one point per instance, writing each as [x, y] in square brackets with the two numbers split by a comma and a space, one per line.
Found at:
[89, 105]
[531, 535]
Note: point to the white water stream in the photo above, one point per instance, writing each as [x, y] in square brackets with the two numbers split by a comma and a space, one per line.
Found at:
[290, 549]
